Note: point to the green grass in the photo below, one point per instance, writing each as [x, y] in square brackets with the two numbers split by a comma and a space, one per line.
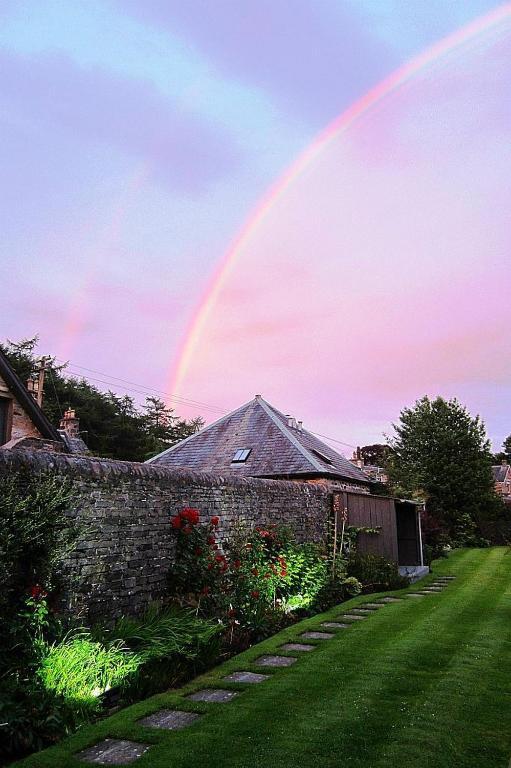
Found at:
[422, 682]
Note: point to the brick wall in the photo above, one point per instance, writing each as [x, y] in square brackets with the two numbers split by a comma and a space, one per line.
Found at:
[126, 547]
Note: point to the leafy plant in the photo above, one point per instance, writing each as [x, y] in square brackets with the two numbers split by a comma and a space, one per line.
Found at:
[375, 572]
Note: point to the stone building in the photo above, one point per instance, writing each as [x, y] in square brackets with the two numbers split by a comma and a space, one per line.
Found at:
[23, 423]
[257, 440]
[502, 479]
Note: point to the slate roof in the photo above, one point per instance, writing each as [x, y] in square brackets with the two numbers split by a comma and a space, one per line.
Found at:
[27, 402]
[500, 472]
[276, 448]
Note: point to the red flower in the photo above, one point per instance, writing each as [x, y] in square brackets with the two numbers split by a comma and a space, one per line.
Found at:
[215, 520]
[37, 591]
[255, 571]
[210, 566]
[237, 564]
[283, 572]
[220, 558]
[255, 593]
[211, 539]
[198, 551]
[175, 521]
[192, 515]
[187, 529]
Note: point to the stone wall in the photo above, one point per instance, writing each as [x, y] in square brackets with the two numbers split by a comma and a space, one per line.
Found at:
[126, 546]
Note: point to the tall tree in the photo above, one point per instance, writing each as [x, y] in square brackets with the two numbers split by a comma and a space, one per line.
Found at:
[442, 454]
[111, 425]
[375, 454]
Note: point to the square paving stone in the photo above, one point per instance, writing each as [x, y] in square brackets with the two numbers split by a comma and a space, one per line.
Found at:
[246, 677]
[113, 752]
[390, 599]
[275, 661]
[317, 635]
[334, 625]
[352, 617]
[213, 694]
[361, 611]
[297, 647]
[169, 719]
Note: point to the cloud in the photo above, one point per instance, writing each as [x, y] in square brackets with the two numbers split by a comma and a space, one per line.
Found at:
[313, 58]
[129, 117]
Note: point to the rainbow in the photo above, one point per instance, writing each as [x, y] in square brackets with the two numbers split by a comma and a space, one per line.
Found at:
[343, 122]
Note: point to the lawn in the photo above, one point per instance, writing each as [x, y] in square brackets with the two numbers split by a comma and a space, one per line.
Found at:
[419, 682]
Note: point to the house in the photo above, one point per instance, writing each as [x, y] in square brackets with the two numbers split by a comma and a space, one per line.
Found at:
[502, 478]
[23, 423]
[258, 440]
[375, 473]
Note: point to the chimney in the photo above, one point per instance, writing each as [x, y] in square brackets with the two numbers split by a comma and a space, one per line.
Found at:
[32, 387]
[70, 424]
[300, 425]
[291, 422]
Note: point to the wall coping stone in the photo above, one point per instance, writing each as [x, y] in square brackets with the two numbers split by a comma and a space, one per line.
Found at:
[107, 469]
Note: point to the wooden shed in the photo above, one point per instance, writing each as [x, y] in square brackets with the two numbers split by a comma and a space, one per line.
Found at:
[398, 521]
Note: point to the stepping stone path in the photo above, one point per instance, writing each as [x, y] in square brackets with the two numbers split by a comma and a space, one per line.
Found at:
[275, 661]
[123, 751]
[334, 625]
[246, 677]
[113, 752]
[316, 635]
[169, 719]
[297, 647]
[213, 694]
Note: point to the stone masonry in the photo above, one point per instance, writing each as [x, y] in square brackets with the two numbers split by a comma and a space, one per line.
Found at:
[126, 545]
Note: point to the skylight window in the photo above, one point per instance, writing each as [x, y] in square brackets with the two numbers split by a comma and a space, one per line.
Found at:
[241, 455]
[322, 456]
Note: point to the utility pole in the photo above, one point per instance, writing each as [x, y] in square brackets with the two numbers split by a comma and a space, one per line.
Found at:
[40, 382]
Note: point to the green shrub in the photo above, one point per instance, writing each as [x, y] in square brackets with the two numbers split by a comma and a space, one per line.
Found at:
[375, 572]
[36, 534]
[31, 717]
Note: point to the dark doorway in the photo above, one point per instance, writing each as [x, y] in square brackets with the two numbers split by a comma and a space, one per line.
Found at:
[4, 418]
[407, 534]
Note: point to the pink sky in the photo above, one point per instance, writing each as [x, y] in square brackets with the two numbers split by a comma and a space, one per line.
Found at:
[382, 274]
[138, 136]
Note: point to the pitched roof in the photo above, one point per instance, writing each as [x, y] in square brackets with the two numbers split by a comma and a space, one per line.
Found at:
[277, 449]
[27, 402]
[500, 472]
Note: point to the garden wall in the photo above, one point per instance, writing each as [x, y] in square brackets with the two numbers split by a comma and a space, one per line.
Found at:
[126, 545]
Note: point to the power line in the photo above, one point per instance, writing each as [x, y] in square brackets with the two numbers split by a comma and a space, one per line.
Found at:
[143, 389]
